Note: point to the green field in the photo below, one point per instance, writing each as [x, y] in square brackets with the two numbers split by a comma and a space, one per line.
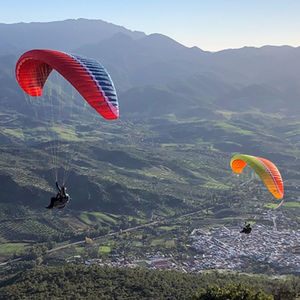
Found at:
[32, 228]
[104, 249]
[157, 242]
[168, 228]
[12, 248]
[91, 218]
[291, 204]
[80, 250]
[137, 244]
[271, 205]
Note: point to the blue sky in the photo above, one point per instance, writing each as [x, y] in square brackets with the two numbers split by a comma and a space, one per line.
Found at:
[209, 24]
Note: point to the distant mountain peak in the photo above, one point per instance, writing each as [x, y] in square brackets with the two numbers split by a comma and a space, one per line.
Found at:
[61, 35]
[163, 40]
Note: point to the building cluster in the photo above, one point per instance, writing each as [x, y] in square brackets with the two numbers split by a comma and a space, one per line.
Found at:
[151, 261]
[227, 248]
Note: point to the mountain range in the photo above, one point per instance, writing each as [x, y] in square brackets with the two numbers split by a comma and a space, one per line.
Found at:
[176, 102]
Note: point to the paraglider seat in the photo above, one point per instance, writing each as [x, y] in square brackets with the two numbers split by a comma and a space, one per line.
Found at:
[247, 229]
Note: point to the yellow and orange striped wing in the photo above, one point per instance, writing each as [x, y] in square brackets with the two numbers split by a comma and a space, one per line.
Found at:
[264, 168]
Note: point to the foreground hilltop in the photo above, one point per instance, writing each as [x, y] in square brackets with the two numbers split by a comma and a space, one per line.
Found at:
[79, 282]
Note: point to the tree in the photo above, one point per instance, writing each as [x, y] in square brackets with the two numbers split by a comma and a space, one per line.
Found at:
[231, 292]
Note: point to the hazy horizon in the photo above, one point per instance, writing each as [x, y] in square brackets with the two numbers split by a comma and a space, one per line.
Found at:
[211, 26]
[189, 46]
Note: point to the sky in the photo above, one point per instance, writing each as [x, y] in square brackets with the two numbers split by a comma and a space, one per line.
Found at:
[208, 24]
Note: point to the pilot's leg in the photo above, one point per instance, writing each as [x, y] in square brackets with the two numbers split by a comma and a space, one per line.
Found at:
[52, 203]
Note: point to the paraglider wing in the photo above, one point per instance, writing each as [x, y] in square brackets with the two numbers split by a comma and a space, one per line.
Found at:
[87, 75]
[264, 168]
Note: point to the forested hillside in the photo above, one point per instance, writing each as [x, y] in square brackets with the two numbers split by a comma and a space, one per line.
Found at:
[80, 282]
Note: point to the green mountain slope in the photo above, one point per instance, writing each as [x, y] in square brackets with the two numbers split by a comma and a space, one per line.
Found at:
[183, 114]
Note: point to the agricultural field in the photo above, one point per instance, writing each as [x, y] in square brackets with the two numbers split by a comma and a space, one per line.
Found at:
[92, 218]
[104, 249]
[8, 250]
[126, 174]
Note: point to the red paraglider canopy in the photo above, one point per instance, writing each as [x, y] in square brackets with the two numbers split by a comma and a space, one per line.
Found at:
[87, 75]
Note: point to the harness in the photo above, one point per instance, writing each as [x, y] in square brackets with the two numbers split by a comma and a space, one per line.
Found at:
[61, 202]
